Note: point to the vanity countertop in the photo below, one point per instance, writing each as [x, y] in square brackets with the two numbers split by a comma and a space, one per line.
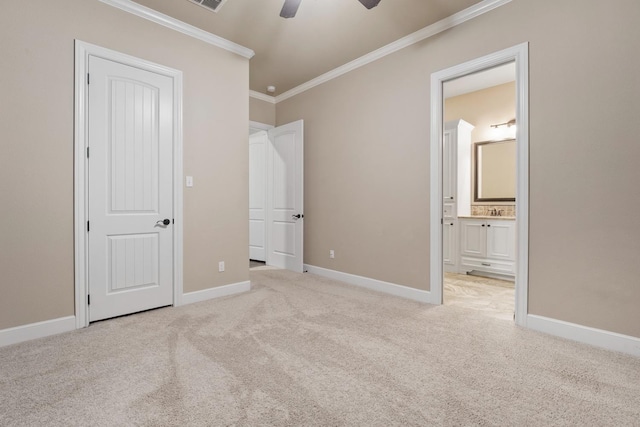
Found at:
[487, 217]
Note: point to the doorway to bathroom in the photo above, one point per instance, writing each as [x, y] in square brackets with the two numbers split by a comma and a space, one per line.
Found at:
[479, 185]
[479, 190]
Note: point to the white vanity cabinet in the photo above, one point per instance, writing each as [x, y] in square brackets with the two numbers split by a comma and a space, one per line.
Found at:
[488, 245]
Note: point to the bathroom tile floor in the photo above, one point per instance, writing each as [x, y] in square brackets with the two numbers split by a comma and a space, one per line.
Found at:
[495, 298]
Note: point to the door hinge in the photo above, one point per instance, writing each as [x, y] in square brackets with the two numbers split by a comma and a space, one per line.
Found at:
[173, 220]
[87, 226]
[88, 299]
[87, 152]
[441, 221]
[88, 79]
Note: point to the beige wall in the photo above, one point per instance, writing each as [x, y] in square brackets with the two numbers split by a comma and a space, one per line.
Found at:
[367, 157]
[262, 111]
[36, 157]
[482, 109]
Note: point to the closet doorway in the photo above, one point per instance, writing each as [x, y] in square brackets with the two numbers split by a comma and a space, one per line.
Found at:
[276, 197]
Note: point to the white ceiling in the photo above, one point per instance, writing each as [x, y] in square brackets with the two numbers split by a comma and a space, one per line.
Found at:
[324, 35]
[480, 80]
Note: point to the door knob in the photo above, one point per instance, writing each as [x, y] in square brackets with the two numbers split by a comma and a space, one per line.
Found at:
[165, 221]
[297, 216]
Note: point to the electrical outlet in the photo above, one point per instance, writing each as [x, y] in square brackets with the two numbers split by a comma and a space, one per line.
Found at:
[332, 254]
[221, 266]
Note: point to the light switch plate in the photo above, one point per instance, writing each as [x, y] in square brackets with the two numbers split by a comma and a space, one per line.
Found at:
[189, 181]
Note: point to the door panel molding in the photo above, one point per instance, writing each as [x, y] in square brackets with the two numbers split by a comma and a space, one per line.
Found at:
[82, 52]
[519, 54]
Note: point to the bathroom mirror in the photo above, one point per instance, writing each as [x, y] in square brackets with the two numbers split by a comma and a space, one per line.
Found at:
[495, 171]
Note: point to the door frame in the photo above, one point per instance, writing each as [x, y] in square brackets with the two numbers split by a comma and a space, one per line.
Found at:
[259, 126]
[519, 54]
[81, 207]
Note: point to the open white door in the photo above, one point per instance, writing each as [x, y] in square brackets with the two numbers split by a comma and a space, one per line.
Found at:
[285, 203]
[130, 191]
[258, 143]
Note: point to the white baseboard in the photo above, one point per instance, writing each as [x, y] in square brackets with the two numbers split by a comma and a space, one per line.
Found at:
[584, 334]
[37, 330]
[373, 284]
[220, 291]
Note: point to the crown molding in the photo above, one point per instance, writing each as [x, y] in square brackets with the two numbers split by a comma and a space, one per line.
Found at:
[177, 25]
[262, 97]
[429, 31]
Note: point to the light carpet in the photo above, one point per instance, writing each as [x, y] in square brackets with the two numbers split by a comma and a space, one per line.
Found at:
[301, 350]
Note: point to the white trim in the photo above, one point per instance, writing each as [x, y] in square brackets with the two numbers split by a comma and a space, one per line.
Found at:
[220, 291]
[429, 31]
[33, 331]
[177, 25]
[262, 97]
[259, 126]
[585, 334]
[82, 52]
[178, 203]
[373, 284]
[520, 55]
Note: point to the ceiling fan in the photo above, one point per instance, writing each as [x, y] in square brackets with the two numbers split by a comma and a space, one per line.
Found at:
[291, 7]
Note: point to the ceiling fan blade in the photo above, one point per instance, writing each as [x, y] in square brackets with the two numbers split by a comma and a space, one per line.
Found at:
[290, 8]
[369, 3]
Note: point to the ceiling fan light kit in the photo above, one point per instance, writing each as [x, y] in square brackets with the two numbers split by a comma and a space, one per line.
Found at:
[290, 7]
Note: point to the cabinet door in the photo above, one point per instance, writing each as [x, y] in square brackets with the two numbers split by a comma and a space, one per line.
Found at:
[449, 210]
[449, 247]
[473, 238]
[448, 167]
[501, 240]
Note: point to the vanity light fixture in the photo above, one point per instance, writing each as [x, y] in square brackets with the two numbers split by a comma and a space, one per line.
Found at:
[508, 124]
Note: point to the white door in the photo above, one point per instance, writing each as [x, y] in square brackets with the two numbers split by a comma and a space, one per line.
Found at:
[258, 143]
[130, 189]
[285, 174]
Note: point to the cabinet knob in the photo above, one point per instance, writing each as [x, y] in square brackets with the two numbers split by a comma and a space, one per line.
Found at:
[488, 225]
[483, 225]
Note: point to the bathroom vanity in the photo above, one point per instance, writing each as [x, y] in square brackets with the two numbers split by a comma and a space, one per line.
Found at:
[487, 244]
